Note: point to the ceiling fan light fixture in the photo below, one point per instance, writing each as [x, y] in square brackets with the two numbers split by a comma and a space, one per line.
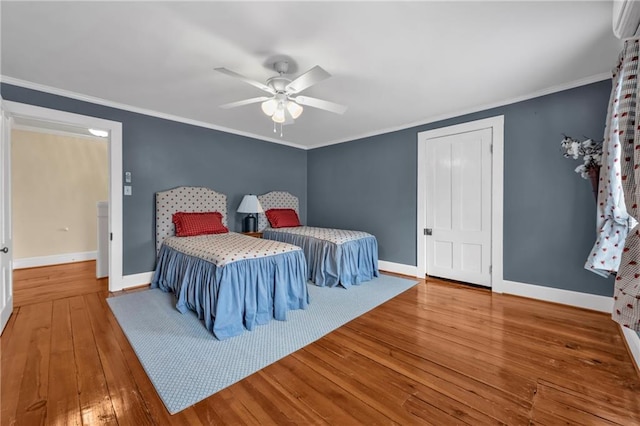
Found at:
[294, 109]
[278, 116]
[269, 107]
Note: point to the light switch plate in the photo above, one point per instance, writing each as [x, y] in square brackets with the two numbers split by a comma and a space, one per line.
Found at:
[127, 177]
[127, 190]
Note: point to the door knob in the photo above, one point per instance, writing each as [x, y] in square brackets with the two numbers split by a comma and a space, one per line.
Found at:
[5, 250]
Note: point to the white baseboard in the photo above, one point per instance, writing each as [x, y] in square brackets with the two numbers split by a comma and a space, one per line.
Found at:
[135, 280]
[633, 343]
[398, 268]
[56, 259]
[566, 297]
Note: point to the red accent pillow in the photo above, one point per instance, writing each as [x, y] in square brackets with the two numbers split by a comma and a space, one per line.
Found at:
[282, 218]
[191, 224]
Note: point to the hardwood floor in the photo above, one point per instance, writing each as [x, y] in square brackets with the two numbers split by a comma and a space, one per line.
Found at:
[48, 283]
[439, 354]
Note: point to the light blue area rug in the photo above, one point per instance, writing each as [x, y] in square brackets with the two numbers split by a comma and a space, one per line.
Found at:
[187, 364]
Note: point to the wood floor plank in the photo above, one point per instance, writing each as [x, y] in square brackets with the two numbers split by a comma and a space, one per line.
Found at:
[216, 411]
[156, 408]
[63, 405]
[555, 360]
[530, 332]
[372, 393]
[33, 285]
[26, 375]
[261, 410]
[508, 320]
[327, 401]
[473, 333]
[429, 414]
[440, 353]
[275, 398]
[427, 376]
[553, 401]
[502, 377]
[521, 351]
[402, 379]
[123, 391]
[92, 385]
[609, 410]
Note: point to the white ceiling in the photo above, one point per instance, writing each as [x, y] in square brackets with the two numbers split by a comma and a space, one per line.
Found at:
[395, 64]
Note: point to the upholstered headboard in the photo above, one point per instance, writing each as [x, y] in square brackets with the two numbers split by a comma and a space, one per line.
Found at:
[191, 199]
[276, 200]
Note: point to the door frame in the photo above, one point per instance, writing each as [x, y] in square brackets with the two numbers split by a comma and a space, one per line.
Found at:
[6, 292]
[16, 109]
[496, 124]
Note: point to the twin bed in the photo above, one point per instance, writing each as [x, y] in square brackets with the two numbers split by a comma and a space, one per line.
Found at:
[334, 256]
[234, 282]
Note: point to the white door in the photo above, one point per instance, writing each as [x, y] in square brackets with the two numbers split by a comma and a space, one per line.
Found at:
[458, 198]
[6, 269]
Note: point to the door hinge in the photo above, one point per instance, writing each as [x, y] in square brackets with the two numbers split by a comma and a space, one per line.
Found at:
[491, 148]
[428, 231]
[490, 268]
[110, 236]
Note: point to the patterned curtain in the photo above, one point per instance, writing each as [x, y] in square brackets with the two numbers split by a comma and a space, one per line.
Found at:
[613, 222]
[618, 210]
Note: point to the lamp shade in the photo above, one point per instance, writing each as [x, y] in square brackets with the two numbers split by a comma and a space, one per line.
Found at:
[294, 109]
[269, 107]
[278, 116]
[250, 204]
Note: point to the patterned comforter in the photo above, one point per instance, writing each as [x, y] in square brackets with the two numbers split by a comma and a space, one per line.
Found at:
[222, 249]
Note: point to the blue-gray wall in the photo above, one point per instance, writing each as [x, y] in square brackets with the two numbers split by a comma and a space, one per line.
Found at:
[549, 211]
[163, 154]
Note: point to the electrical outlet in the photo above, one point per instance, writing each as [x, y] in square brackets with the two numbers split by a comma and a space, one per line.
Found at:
[127, 177]
[127, 190]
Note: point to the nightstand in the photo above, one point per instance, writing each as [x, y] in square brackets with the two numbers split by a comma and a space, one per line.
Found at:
[253, 234]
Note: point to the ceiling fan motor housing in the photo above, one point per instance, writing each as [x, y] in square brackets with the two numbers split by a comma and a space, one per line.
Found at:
[278, 83]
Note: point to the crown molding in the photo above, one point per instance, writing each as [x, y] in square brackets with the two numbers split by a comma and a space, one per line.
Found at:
[429, 120]
[99, 101]
[435, 118]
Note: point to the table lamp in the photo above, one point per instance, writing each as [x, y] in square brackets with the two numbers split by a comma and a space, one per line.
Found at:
[250, 204]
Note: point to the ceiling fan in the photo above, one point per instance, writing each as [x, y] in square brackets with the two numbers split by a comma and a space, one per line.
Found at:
[285, 105]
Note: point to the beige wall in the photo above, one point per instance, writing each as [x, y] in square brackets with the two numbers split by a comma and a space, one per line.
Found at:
[56, 182]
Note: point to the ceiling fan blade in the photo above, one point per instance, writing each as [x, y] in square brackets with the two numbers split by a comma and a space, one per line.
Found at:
[309, 78]
[321, 104]
[246, 80]
[245, 102]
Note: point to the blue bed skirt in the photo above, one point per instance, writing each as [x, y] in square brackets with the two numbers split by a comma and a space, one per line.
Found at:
[329, 264]
[236, 296]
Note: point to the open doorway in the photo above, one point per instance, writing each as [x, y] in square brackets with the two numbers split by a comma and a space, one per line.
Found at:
[66, 169]
[59, 185]
[18, 113]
